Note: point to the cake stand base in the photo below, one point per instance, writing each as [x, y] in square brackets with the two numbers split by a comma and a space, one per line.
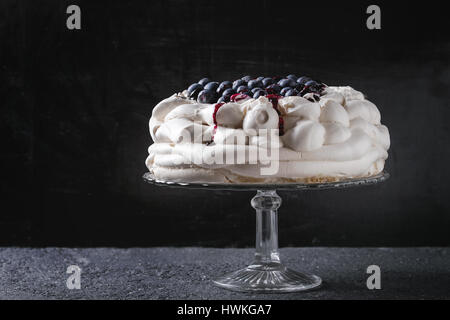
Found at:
[267, 273]
[267, 279]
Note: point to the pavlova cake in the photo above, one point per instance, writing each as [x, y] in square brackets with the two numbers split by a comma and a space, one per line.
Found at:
[266, 130]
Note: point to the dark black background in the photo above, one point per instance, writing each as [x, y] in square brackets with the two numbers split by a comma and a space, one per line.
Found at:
[75, 107]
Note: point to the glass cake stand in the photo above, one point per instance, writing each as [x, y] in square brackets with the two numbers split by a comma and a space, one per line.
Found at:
[267, 273]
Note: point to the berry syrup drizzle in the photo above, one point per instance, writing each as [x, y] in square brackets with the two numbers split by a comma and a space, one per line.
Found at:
[238, 97]
[216, 108]
[274, 99]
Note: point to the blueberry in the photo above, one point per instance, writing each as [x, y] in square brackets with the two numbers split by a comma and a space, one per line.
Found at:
[211, 86]
[299, 87]
[206, 96]
[285, 90]
[267, 82]
[259, 93]
[228, 92]
[194, 86]
[224, 99]
[312, 86]
[291, 92]
[273, 88]
[292, 77]
[242, 89]
[254, 84]
[204, 81]
[259, 79]
[246, 78]
[303, 80]
[238, 83]
[195, 92]
[223, 86]
[311, 83]
[286, 83]
[256, 89]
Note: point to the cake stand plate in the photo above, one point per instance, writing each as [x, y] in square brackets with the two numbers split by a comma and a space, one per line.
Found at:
[267, 274]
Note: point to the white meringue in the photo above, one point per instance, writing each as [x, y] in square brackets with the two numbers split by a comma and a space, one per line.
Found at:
[290, 102]
[183, 131]
[335, 133]
[260, 116]
[335, 96]
[334, 112]
[308, 110]
[195, 112]
[339, 136]
[348, 92]
[364, 109]
[307, 135]
[164, 107]
[230, 115]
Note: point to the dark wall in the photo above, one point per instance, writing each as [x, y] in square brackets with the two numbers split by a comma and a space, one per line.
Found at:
[75, 107]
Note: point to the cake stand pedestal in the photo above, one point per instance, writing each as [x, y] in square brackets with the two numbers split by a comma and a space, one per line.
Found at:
[267, 273]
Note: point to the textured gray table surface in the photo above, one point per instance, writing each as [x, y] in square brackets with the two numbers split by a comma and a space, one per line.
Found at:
[185, 273]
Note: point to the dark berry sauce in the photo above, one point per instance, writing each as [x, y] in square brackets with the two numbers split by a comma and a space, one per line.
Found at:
[274, 99]
[216, 108]
[238, 97]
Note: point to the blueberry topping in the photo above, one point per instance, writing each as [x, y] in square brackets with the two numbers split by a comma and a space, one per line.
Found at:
[211, 86]
[292, 77]
[273, 89]
[224, 99]
[238, 83]
[229, 92]
[207, 96]
[254, 84]
[194, 86]
[286, 83]
[194, 93]
[311, 83]
[242, 89]
[207, 91]
[291, 92]
[259, 93]
[303, 80]
[285, 90]
[223, 86]
[204, 81]
[299, 87]
[312, 86]
[267, 82]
